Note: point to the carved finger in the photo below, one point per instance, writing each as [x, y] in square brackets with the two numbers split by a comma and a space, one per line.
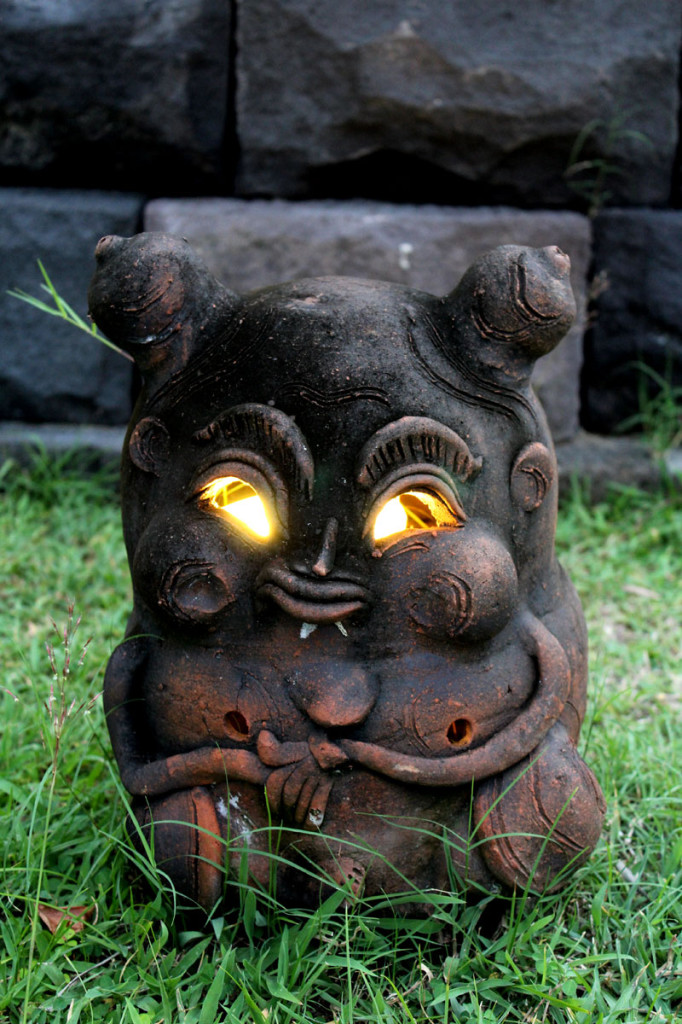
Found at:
[295, 783]
[304, 797]
[275, 785]
[318, 804]
[275, 754]
[327, 754]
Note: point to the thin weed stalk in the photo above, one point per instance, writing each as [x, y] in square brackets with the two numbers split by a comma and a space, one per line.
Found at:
[58, 711]
[660, 408]
[594, 160]
[63, 310]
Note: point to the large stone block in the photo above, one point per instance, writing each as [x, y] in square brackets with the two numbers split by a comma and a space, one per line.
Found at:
[597, 463]
[252, 244]
[119, 94]
[457, 103]
[50, 370]
[637, 313]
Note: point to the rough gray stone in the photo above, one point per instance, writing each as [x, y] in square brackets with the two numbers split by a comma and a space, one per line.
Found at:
[456, 102]
[637, 313]
[88, 447]
[121, 94]
[50, 370]
[598, 463]
[249, 244]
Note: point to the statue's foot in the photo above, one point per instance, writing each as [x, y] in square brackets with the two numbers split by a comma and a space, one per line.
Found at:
[184, 834]
[344, 872]
[540, 819]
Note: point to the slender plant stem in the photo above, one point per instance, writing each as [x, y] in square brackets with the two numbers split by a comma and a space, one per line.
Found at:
[39, 887]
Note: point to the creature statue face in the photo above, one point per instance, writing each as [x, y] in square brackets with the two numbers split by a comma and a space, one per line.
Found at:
[339, 506]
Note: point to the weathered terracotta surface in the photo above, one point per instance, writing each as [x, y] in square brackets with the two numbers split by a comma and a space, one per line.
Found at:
[329, 683]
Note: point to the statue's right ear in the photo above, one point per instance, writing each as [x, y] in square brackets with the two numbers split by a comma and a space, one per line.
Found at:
[153, 297]
[512, 306]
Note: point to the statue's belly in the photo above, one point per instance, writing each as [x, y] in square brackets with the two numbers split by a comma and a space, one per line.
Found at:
[419, 702]
[434, 706]
[207, 697]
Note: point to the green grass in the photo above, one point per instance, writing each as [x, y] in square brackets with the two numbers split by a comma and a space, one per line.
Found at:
[607, 949]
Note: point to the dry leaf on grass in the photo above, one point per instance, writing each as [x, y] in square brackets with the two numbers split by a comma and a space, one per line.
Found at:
[75, 917]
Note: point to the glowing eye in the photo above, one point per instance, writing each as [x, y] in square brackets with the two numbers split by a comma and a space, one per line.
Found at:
[239, 501]
[413, 510]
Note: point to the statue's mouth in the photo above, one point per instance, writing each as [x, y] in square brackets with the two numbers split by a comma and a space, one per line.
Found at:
[325, 600]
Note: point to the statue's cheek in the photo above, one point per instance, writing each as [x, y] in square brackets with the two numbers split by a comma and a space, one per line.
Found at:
[192, 577]
[195, 592]
[468, 594]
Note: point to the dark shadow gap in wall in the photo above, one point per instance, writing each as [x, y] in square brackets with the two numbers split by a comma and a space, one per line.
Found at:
[231, 146]
[392, 176]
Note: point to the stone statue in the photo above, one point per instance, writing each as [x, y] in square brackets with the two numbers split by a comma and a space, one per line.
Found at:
[350, 631]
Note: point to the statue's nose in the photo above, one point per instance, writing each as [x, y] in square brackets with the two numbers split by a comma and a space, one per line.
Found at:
[324, 563]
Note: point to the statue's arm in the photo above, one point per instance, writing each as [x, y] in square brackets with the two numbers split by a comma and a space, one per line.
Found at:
[142, 773]
[504, 748]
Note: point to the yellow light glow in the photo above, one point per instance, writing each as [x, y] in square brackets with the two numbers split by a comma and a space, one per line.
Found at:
[240, 501]
[413, 510]
[252, 514]
[392, 519]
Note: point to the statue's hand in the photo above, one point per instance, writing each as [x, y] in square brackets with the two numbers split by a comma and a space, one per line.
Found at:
[300, 783]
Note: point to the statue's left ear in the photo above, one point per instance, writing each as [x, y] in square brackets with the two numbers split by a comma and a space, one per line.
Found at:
[148, 445]
[154, 298]
[532, 476]
[512, 306]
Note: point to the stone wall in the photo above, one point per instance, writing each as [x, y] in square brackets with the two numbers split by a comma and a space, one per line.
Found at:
[393, 139]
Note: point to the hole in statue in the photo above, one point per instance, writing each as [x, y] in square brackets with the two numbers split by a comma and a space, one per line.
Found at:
[236, 725]
[459, 732]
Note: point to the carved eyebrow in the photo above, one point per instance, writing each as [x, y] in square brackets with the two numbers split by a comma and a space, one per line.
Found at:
[268, 431]
[415, 440]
